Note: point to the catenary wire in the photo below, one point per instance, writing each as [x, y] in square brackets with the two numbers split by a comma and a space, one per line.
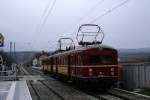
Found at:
[43, 15]
[109, 11]
[85, 15]
[44, 19]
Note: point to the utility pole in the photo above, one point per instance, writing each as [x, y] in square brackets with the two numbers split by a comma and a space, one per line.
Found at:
[10, 53]
[10, 50]
[14, 51]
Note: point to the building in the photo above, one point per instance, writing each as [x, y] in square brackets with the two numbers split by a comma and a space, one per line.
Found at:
[37, 59]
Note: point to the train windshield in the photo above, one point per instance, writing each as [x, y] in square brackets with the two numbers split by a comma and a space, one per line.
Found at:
[95, 59]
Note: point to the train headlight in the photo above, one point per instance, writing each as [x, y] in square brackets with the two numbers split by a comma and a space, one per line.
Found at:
[112, 69]
[112, 73]
[100, 73]
[90, 69]
[90, 74]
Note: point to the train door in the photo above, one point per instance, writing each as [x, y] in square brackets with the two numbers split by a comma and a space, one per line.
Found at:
[69, 65]
[51, 64]
[56, 65]
[73, 65]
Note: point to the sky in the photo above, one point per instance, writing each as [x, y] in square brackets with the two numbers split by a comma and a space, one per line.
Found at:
[38, 24]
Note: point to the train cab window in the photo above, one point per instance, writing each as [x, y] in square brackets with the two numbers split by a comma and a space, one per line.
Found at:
[95, 59]
[106, 59]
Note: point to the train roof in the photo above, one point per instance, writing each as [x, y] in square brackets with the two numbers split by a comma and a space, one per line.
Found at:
[80, 49]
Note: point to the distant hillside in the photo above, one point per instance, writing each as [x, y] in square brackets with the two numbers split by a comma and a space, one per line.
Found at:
[124, 54]
[23, 57]
[134, 54]
[140, 50]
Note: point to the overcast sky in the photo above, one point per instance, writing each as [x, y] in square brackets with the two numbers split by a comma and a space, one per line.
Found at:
[22, 21]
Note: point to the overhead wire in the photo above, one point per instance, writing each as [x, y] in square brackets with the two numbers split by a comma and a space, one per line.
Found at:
[44, 17]
[40, 21]
[91, 10]
[109, 11]
[86, 15]
[81, 18]
[105, 13]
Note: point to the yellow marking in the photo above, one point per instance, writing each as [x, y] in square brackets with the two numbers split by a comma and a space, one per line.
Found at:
[54, 68]
[45, 68]
[63, 70]
[49, 68]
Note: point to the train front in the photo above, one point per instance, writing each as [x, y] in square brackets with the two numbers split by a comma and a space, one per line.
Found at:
[100, 66]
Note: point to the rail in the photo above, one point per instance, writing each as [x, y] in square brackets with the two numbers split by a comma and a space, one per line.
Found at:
[128, 95]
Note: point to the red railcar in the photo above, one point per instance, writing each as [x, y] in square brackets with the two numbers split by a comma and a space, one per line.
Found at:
[92, 63]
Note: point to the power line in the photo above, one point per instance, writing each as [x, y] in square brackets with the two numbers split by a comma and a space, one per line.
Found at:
[44, 18]
[81, 18]
[105, 13]
[110, 10]
[40, 22]
[86, 15]
[91, 10]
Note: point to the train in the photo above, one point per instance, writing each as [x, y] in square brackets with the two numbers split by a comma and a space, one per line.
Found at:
[89, 63]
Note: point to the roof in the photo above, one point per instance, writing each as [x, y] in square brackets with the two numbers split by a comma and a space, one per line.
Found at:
[80, 49]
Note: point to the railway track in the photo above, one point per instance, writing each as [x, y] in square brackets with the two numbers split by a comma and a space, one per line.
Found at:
[31, 71]
[39, 94]
[128, 95]
[99, 94]
[43, 92]
[51, 88]
[108, 97]
[38, 89]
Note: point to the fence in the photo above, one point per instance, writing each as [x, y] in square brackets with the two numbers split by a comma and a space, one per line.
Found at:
[135, 75]
[8, 74]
